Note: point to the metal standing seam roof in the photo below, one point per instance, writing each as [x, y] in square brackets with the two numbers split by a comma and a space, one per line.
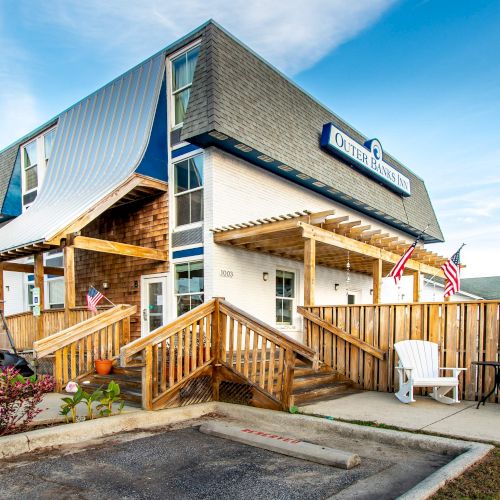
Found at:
[99, 143]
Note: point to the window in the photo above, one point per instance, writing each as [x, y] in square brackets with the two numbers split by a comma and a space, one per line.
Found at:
[182, 77]
[48, 143]
[189, 190]
[285, 295]
[189, 286]
[351, 299]
[34, 158]
[30, 166]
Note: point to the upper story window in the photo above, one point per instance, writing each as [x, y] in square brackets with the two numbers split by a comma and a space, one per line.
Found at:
[34, 158]
[182, 77]
[189, 190]
[30, 160]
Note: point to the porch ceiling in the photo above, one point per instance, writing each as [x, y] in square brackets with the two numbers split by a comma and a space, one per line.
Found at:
[336, 239]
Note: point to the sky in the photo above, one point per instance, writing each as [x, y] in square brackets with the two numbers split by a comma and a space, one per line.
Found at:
[422, 76]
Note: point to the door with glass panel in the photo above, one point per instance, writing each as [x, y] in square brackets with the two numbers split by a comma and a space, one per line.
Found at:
[153, 303]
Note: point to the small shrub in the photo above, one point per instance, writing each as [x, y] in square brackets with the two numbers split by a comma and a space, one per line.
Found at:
[110, 395]
[70, 403]
[89, 400]
[19, 398]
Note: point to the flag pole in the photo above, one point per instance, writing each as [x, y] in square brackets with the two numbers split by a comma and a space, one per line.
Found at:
[418, 237]
[431, 280]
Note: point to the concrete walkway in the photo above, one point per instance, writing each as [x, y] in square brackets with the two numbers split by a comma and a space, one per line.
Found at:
[461, 420]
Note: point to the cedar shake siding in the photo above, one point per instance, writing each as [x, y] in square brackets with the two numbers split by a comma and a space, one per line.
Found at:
[143, 223]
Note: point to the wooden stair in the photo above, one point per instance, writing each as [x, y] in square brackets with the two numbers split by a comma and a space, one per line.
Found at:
[311, 386]
[129, 379]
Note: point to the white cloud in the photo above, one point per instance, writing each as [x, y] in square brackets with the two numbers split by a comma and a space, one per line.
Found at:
[293, 34]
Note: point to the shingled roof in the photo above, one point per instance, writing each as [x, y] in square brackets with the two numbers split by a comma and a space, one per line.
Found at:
[240, 102]
[7, 162]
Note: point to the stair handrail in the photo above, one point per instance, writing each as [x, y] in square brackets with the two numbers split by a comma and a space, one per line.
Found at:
[270, 333]
[166, 331]
[59, 340]
[361, 344]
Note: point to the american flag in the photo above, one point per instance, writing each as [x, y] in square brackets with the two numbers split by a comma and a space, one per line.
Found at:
[451, 269]
[93, 298]
[397, 270]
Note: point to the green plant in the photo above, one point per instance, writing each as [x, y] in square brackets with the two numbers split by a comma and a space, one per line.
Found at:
[294, 409]
[89, 399]
[20, 398]
[69, 405]
[110, 395]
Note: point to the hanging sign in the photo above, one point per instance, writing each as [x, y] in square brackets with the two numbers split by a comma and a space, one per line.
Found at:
[366, 157]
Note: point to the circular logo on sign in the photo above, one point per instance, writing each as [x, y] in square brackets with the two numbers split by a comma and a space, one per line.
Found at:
[375, 147]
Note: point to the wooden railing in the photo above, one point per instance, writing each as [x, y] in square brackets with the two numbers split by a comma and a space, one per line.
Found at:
[24, 328]
[219, 343]
[77, 347]
[465, 332]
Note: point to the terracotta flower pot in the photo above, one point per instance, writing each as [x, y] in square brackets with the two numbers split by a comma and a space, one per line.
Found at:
[103, 366]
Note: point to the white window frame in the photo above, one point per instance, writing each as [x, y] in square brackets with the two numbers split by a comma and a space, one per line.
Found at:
[174, 162]
[172, 57]
[41, 163]
[289, 326]
[186, 260]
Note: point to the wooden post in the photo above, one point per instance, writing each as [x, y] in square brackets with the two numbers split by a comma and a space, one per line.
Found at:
[147, 378]
[2, 297]
[309, 271]
[446, 299]
[69, 283]
[39, 283]
[416, 286]
[216, 350]
[288, 369]
[377, 281]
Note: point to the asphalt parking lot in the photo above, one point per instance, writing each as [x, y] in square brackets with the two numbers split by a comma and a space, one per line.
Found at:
[186, 464]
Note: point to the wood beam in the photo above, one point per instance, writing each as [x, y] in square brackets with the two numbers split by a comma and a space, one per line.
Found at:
[416, 286]
[40, 284]
[105, 246]
[309, 271]
[69, 283]
[28, 268]
[362, 248]
[377, 280]
[258, 230]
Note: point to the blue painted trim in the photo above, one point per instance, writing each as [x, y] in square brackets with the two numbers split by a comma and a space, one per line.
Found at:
[190, 252]
[12, 203]
[185, 150]
[154, 163]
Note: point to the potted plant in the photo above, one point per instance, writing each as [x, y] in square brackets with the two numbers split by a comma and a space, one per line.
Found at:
[103, 366]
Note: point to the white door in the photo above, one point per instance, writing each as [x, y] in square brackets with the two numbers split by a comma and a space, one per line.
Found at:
[153, 303]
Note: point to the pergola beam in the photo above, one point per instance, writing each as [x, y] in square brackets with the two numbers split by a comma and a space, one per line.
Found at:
[113, 247]
[362, 248]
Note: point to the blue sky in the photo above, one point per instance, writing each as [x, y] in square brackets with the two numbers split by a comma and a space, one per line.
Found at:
[422, 76]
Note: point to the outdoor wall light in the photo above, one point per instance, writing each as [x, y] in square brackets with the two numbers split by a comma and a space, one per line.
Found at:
[265, 276]
[371, 291]
[105, 285]
[336, 286]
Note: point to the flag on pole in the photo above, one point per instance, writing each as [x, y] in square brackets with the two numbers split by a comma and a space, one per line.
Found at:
[93, 298]
[397, 270]
[451, 269]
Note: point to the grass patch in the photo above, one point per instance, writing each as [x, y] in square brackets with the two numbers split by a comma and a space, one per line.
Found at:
[482, 480]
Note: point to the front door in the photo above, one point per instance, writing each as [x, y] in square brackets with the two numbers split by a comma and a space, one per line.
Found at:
[153, 303]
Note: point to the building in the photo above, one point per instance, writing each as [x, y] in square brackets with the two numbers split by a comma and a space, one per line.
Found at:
[200, 173]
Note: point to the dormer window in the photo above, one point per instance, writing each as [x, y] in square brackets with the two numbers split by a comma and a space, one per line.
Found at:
[183, 67]
[34, 159]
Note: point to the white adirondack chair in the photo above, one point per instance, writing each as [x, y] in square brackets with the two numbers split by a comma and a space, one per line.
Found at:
[419, 367]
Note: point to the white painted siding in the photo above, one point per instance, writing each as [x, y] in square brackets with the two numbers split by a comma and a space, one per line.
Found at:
[236, 191]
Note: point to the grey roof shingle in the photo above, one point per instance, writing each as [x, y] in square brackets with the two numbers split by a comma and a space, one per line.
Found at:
[488, 287]
[237, 93]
